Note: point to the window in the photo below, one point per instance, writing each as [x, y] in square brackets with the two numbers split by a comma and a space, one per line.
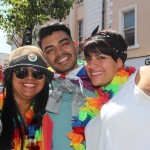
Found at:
[128, 25]
[79, 1]
[80, 30]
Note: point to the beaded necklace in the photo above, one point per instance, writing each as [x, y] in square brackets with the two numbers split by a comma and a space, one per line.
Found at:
[93, 106]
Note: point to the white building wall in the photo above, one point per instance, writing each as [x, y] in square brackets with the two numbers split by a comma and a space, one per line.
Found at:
[138, 62]
[92, 16]
[109, 13]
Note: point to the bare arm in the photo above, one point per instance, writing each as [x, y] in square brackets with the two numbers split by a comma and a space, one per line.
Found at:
[142, 79]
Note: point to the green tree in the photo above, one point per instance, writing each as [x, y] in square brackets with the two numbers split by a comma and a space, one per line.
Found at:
[19, 17]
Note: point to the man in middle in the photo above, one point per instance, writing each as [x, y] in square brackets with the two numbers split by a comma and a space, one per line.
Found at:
[71, 85]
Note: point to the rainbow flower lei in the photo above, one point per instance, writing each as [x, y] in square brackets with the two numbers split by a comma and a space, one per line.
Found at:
[93, 106]
[33, 138]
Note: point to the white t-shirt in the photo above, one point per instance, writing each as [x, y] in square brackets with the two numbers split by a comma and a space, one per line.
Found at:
[123, 122]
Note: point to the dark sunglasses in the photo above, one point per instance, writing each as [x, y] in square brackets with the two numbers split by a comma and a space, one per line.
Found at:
[22, 72]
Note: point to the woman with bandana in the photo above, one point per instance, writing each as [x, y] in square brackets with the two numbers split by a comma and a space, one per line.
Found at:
[119, 115]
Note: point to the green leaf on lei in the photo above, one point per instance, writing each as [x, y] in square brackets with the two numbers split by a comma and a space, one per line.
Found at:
[82, 115]
[113, 87]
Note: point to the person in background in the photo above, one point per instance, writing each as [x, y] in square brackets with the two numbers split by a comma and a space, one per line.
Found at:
[70, 85]
[123, 100]
[23, 101]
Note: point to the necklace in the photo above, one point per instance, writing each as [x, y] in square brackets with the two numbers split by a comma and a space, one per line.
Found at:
[32, 133]
[93, 106]
[35, 136]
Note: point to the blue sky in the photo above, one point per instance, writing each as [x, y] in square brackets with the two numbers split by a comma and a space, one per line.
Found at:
[4, 47]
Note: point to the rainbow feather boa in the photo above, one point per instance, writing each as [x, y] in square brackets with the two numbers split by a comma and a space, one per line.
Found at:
[93, 106]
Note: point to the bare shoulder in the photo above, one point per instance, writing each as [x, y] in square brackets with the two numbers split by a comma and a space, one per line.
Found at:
[142, 79]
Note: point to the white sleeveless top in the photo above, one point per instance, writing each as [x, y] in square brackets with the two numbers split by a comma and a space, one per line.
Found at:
[123, 123]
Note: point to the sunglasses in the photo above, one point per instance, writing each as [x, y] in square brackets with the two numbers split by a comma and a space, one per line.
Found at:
[22, 72]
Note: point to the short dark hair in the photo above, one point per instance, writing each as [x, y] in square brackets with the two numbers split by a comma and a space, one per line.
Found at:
[49, 28]
[108, 42]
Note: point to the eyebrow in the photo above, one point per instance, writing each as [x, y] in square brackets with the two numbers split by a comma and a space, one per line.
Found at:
[64, 39]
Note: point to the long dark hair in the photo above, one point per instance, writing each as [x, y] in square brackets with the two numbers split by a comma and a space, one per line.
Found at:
[9, 112]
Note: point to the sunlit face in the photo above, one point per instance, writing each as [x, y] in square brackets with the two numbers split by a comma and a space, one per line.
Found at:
[60, 51]
[101, 68]
[27, 88]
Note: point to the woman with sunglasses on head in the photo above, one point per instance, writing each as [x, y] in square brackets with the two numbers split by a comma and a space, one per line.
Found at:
[119, 114]
[25, 95]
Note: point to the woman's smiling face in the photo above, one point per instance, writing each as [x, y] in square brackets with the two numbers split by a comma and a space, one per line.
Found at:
[28, 87]
[101, 68]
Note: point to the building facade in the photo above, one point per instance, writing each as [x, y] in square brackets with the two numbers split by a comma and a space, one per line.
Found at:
[4, 60]
[85, 16]
[130, 18]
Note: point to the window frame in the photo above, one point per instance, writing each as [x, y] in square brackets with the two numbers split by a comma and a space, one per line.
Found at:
[79, 2]
[80, 33]
[121, 23]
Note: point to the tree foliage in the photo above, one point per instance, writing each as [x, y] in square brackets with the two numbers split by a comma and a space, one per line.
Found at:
[18, 15]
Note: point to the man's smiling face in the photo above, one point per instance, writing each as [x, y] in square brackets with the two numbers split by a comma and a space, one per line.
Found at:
[60, 51]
